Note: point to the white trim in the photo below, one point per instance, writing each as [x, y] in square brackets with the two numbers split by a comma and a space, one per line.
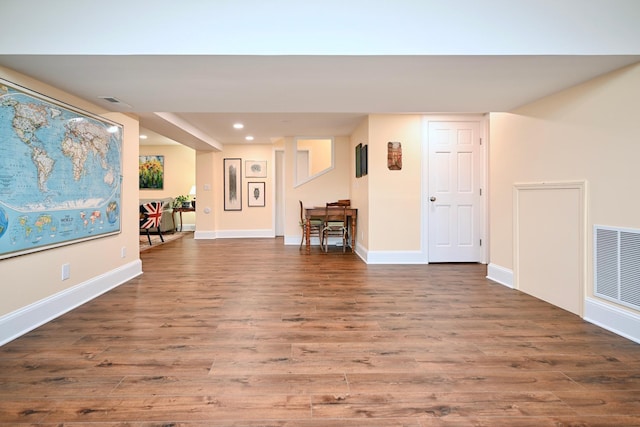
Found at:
[245, 234]
[612, 318]
[501, 275]
[27, 318]
[234, 234]
[315, 240]
[205, 235]
[395, 257]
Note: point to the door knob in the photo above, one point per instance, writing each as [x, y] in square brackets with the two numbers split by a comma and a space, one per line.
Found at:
[433, 199]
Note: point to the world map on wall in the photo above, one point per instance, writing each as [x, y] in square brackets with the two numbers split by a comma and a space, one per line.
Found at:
[60, 173]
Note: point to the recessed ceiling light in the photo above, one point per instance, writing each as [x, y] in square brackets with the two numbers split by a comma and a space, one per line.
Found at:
[143, 136]
[248, 138]
[238, 126]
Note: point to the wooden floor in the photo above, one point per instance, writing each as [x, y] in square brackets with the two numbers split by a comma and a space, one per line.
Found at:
[252, 333]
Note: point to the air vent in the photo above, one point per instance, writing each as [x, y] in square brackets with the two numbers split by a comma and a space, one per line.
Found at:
[114, 100]
[617, 265]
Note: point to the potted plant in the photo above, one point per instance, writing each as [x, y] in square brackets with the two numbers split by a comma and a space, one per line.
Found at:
[182, 201]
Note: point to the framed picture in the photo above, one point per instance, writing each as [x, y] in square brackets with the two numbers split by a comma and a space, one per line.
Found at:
[364, 153]
[358, 160]
[255, 194]
[51, 194]
[232, 184]
[255, 168]
[394, 156]
[151, 172]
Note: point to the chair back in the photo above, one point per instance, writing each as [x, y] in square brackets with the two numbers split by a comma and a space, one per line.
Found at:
[151, 215]
[335, 212]
[301, 212]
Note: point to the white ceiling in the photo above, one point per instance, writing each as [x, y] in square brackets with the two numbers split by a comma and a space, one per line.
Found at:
[190, 69]
[275, 96]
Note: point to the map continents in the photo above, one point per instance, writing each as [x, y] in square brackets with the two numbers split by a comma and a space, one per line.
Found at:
[60, 173]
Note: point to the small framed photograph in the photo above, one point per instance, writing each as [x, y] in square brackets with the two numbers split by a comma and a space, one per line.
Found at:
[232, 185]
[255, 168]
[255, 197]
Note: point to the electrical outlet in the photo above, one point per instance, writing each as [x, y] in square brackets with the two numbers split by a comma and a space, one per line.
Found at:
[66, 271]
[123, 252]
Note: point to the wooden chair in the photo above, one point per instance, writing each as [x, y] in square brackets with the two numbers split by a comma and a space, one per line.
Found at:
[314, 224]
[150, 217]
[335, 224]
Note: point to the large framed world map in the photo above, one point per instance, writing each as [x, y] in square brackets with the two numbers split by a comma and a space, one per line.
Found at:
[60, 173]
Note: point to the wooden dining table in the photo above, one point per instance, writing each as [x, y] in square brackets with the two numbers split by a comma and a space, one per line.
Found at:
[318, 212]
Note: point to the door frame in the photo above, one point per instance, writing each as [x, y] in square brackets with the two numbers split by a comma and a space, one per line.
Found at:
[483, 121]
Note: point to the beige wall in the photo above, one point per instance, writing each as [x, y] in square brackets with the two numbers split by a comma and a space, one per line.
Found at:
[250, 220]
[394, 195]
[330, 186]
[207, 178]
[179, 173]
[360, 186]
[31, 278]
[587, 133]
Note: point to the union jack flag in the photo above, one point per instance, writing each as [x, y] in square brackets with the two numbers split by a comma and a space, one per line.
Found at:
[151, 215]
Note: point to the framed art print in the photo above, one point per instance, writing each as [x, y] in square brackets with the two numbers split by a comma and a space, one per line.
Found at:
[255, 168]
[232, 184]
[255, 194]
[151, 172]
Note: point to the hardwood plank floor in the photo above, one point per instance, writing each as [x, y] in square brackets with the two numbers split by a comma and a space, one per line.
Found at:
[248, 333]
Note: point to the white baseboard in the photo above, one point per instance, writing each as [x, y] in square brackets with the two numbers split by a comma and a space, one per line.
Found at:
[394, 257]
[612, 318]
[502, 275]
[205, 235]
[27, 318]
[235, 234]
[295, 240]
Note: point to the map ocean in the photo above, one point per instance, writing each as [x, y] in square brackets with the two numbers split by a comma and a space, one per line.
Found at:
[60, 174]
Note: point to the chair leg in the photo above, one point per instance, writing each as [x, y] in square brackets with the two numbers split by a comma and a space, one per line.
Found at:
[149, 237]
[344, 241]
[303, 236]
[160, 233]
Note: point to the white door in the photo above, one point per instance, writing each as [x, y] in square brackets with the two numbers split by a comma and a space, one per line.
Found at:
[453, 200]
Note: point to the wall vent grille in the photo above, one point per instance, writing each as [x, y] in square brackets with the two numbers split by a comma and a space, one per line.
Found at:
[617, 265]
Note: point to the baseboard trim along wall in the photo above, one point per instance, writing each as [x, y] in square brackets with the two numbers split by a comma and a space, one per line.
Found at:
[612, 318]
[395, 257]
[235, 234]
[605, 315]
[30, 317]
[502, 275]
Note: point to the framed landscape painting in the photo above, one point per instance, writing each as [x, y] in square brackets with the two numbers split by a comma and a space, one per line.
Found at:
[151, 172]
